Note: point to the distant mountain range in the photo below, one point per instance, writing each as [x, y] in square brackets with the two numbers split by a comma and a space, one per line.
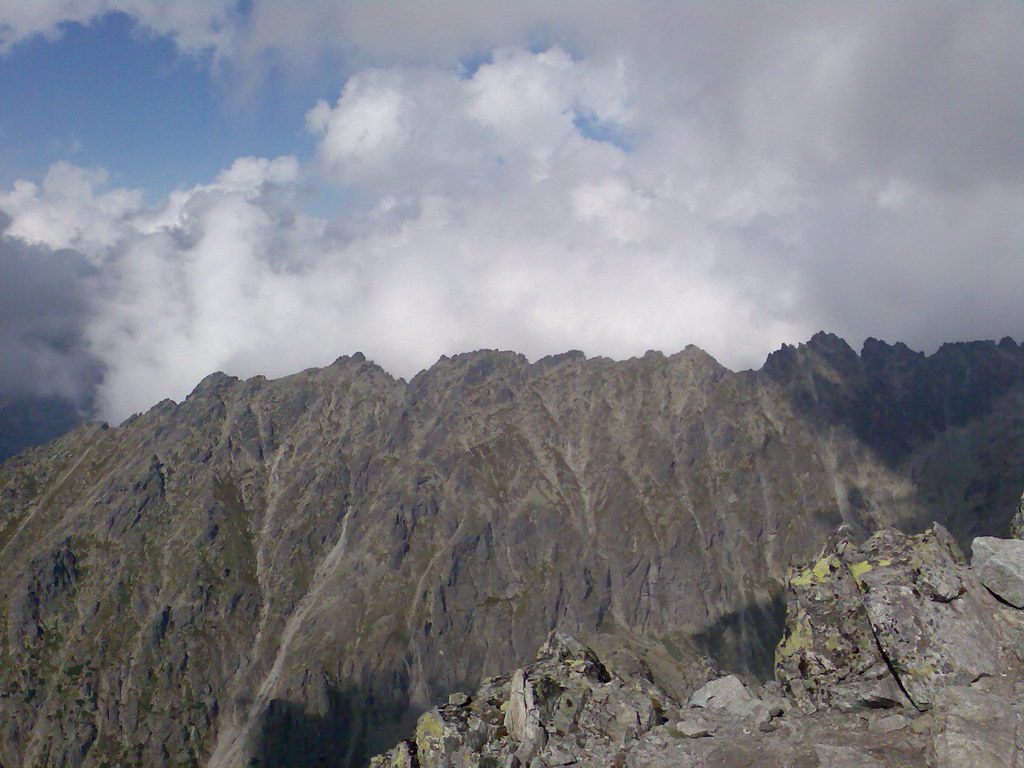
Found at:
[289, 572]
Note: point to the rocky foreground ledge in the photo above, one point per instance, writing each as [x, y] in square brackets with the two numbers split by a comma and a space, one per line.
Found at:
[896, 654]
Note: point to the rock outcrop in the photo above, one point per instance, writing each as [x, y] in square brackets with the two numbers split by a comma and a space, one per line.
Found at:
[896, 615]
[564, 709]
[945, 711]
[944, 641]
[287, 572]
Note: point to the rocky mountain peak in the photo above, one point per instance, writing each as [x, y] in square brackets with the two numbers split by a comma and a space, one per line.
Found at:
[217, 381]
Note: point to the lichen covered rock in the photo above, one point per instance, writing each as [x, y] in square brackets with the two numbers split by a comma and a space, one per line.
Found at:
[894, 655]
[934, 623]
[828, 656]
[894, 620]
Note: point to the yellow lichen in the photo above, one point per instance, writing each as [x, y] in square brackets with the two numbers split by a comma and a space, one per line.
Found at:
[818, 572]
[803, 579]
[429, 726]
[800, 637]
[923, 670]
[859, 569]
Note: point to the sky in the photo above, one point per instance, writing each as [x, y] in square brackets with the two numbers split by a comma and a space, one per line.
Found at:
[259, 187]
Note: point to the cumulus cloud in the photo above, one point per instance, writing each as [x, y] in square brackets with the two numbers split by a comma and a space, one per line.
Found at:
[546, 177]
[429, 129]
[68, 212]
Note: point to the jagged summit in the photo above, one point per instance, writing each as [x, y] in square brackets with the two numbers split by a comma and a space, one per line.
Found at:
[824, 354]
[285, 572]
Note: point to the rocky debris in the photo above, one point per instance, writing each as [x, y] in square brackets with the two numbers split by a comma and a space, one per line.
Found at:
[564, 709]
[729, 697]
[826, 737]
[999, 564]
[890, 622]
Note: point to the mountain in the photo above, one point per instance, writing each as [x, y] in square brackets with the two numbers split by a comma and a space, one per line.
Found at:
[289, 572]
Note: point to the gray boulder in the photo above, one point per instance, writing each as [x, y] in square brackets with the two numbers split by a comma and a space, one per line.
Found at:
[935, 625]
[724, 693]
[999, 564]
[696, 727]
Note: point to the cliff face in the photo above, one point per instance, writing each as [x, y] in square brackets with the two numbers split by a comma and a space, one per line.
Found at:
[287, 572]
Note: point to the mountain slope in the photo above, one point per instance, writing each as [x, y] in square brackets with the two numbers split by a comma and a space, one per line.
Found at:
[287, 572]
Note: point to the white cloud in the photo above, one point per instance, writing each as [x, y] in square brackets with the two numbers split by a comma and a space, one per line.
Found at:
[725, 175]
[198, 27]
[613, 206]
[425, 128]
[67, 212]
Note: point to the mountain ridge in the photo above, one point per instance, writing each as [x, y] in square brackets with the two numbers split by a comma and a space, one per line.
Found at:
[289, 570]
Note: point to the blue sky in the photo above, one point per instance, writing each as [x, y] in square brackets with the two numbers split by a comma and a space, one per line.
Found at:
[189, 186]
[106, 94]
